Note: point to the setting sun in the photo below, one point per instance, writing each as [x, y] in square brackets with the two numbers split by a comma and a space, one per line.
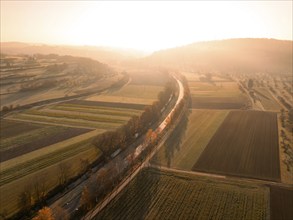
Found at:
[146, 109]
[142, 25]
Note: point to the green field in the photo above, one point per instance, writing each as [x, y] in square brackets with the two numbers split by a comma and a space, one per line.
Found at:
[155, 194]
[189, 139]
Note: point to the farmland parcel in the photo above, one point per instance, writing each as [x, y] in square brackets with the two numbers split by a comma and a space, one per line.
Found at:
[189, 139]
[216, 95]
[281, 203]
[155, 194]
[246, 145]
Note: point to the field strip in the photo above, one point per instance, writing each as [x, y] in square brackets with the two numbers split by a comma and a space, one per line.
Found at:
[227, 177]
[101, 110]
[99, 106]
[122, 99]
[10, 192]
[11, 142]
[48, 123]
[49, 149]
[59, 121]
[190, 138]
[209, 125]
[100, 114]
[42, 162]
[69, 115]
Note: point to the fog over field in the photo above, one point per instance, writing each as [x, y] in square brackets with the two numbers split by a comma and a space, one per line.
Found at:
[146, 110]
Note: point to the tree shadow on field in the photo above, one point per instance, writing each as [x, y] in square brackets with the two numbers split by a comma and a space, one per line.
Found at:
[173, 143]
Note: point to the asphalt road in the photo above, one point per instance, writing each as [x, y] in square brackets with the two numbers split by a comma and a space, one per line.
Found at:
[127, 180]
[69, 200]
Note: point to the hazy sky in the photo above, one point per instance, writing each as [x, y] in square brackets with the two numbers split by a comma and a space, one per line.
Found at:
[147, 25]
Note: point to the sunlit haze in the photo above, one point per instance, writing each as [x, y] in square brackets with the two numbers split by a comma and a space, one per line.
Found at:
[146, 25]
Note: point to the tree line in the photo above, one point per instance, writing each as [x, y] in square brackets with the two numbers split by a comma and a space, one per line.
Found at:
[107, 178]
[110, 141]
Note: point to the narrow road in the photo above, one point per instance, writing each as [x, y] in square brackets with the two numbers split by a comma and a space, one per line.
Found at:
[242, 179]
[128, 179]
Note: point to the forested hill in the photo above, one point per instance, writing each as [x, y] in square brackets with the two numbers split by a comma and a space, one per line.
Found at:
[233, 55]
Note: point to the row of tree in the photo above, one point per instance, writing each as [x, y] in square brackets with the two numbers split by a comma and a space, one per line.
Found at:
[107, 178]
[37, 190]
[111, 141]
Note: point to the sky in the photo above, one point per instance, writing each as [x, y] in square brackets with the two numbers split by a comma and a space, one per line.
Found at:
[143, 25]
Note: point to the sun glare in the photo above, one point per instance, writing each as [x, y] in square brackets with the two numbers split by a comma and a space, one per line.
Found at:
[142, 25]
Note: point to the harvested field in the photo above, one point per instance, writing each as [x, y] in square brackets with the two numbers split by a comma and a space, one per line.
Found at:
[281, 203]
[81, 114]
[135, 94]
[97, 110]
[138, 91]
[246, 144]
[155, 194]
[9, 199]
[66, 122]
[189, 139]
[72, 115]
[36, 139]
[148, 77]
[217, 103]
[216, 95]
[72, 142]
[266, 99]
[13, 128]
[11, 174]
[107, 104]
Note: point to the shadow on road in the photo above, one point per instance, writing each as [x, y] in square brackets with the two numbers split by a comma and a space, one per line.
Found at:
[173, 143]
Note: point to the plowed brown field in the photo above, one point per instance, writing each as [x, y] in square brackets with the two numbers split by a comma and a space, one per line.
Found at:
[246, 144]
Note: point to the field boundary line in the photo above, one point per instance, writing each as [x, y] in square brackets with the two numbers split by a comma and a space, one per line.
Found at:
[226, 177]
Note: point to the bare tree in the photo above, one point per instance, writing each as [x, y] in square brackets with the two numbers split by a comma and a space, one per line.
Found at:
[40, 186]
[63, 172]
[26, 198]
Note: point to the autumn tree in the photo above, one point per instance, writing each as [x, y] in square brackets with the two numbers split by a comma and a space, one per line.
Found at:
[85, 199]
[44, 214]
[148, 136]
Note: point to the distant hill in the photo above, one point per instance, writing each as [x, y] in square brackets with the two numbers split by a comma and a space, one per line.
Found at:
[233, 55]
[103, 54]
